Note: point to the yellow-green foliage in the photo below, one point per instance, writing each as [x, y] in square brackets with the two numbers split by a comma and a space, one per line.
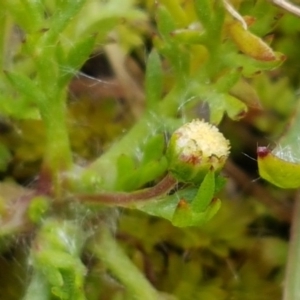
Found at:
[89, 208]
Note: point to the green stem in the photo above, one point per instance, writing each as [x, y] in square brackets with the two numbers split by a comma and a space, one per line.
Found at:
[292, 277]
[106, 164]
[174, 100]
[58, 156]
[38, 288]
[149, 123]
[113, 257]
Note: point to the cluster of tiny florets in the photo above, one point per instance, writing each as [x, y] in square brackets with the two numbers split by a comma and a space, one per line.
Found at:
[202, 138]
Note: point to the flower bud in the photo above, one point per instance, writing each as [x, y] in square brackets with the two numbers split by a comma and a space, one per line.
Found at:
[194, 149]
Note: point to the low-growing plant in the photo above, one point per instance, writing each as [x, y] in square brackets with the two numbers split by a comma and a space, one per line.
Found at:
[99, 191]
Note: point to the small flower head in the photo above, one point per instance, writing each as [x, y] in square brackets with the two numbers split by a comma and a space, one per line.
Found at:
[194, 149]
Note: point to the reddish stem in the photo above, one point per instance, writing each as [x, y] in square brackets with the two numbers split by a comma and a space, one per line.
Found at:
[123, 199]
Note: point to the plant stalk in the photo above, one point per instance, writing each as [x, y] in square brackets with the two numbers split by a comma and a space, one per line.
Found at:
[106, 164]
[292, 276]
[109, 252]
[58, 156]
[149, 124]
[38, 288]
[125, 199]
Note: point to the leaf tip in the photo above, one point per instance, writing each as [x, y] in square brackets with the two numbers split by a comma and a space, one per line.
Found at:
[182, 204]
[262, 152]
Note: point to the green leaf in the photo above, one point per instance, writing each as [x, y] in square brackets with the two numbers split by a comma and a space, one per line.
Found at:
[220, 103]
[25, 86]
[57, 257]
[144, 174]
[250, 44]
[217, 24]
[243, 91]
[30, 21]
[234, 107]
[152, 170]
[35, 11]
[279, 172]
[252, 66]
[165, 23]
[179, 58]
[37, 208]
[165, 207]
[154, 79]
[220, 183]
[133, 174]
[169, 47]
[228, 80]
[177, 12]
[180, 209]
[65, 11]
[110, 16]
[125, 164]
[78, 54]
[154, 148]
[202, 207]
[184, 216]
[204, 11]
[188, 36]
[281, 166]
[102, 27]
[205, 193]
[19, 108]
[125, 170]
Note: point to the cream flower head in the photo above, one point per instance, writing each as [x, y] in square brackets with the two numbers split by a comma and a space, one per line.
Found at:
[195, 148]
